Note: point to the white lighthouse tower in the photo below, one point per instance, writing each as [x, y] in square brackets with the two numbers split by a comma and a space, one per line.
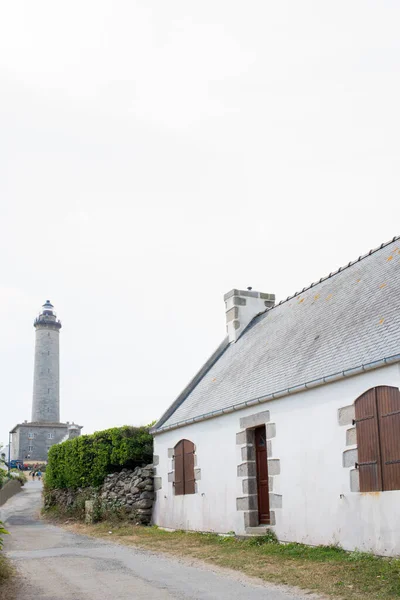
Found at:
[46, 379]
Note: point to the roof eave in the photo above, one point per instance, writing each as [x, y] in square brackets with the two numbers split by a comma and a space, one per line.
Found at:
[286, 392]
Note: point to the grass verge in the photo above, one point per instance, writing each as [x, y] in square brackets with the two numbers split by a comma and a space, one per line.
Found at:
[325, 570]
[6, 570]
[7, 589]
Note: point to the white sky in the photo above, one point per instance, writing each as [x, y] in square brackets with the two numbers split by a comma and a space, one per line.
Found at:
[154, 155]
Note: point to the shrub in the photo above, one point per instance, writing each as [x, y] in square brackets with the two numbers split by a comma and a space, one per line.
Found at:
[86, 460]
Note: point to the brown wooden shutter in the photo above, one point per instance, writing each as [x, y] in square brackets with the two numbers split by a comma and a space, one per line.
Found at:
[369, 459]
[179, 471]
[188, 462]
[388, 400]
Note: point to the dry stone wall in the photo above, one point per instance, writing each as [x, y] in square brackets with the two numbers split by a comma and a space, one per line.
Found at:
[131, 492]
[128, 494]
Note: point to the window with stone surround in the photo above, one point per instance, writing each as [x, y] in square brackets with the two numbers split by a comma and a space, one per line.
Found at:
[377, 421]
[50, 436]
[30, 448]
[31, 435]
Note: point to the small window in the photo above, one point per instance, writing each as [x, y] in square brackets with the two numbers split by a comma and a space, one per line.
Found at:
[31, 435]
[50, 436]
[184, 482]
[30, 448]
[377, 420]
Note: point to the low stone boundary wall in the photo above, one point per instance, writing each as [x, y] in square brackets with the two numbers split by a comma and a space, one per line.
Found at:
[8, 490]
[128, 494]
[131, 491]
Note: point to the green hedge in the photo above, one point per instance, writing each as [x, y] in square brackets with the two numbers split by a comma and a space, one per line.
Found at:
[86, 460]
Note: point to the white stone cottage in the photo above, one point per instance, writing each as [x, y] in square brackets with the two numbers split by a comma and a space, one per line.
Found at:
[294, 422]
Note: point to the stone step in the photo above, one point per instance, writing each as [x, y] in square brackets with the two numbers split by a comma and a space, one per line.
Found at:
[260, 530]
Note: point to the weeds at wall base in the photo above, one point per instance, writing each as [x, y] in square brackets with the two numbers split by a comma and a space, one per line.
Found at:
[76, 510]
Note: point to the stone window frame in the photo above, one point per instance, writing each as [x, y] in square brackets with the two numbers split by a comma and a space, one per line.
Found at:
[157, 480]
[171, 469]
[346, 416]
[247, 469]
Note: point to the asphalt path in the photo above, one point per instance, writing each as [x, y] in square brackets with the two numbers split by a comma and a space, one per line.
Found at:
[55, 564]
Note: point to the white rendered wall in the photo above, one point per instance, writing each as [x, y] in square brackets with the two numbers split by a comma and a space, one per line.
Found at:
[46, 383]
[317, 504]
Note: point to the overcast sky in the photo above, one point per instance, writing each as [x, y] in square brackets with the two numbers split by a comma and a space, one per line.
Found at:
[154, 155]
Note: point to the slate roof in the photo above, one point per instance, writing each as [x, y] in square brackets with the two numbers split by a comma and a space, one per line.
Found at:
[348, 319]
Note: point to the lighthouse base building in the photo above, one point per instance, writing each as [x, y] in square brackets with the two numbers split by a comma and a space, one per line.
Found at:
[31, 441]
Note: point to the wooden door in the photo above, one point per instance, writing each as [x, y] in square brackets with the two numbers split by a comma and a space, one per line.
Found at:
[262, 475]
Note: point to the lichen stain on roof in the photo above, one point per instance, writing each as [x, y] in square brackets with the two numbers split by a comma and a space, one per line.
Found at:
[348, 327]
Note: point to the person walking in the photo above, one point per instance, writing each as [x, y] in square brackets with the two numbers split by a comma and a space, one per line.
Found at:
[33, 475]
[39, 475]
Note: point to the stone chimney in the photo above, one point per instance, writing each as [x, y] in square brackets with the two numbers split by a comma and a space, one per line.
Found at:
[241, 307]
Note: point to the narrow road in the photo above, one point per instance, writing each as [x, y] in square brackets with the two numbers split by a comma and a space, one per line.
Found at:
[59, 565]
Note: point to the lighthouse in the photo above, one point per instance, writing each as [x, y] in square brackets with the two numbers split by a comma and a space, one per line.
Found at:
[46, 377]
[31, 441]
